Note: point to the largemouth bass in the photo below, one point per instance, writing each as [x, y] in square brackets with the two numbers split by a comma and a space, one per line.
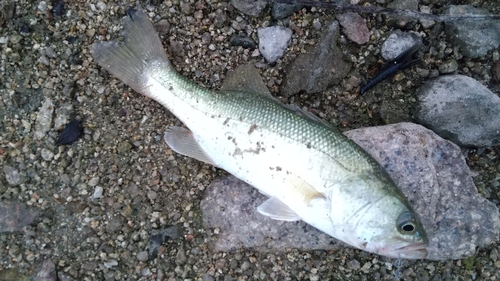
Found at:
[309, 170]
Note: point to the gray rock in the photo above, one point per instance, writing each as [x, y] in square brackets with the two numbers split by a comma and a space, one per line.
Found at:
[94, 181]
[110, 263]
[426, 23]
[283, 10]
[159, 237]
[430, 171]
[45, 271]
[15, 216]
[44, 118]
[448, 66]
[220, 18]
[245, 78]
[354, 27]
[475, 38]
[13, 176]
[46, 154]
[250, 7]
[411, 5]
[207, 277]
[62, 115]
[162, 27]
[98, 191]
[186, 7]
[180, 257]
[460, 109]
[318, 68]
[397, 43]
[495, 70]
[142, 256]
[273, 41]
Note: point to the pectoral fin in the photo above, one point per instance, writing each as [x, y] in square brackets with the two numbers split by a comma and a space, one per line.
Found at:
[277, 210]
[182, 141]
[299, 191]
[302, 190]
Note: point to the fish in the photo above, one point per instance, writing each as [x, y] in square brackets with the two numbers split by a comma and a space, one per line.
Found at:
[309, 170]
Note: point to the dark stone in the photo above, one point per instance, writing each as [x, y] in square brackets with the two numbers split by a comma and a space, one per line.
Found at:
[158, 238]
[318, 68]
[244, 41]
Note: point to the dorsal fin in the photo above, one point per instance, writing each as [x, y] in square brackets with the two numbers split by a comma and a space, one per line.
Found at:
[308, 115]
[246, 78]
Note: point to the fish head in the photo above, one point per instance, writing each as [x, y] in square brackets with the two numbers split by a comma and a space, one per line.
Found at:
[376, 217]
[395, 231]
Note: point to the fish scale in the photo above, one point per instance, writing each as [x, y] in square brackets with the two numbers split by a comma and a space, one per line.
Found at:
[309, 170]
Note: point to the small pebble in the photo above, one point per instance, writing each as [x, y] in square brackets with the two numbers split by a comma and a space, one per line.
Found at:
[142, 256]
[93, 181]
[47, 155]
[98, 191]
[110, 263]
[102, 6]
[448, 66]
[12, 175]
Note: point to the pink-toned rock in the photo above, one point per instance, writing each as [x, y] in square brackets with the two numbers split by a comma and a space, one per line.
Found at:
[354, 27]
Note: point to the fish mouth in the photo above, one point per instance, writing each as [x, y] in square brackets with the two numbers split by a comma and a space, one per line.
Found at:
[417, 250]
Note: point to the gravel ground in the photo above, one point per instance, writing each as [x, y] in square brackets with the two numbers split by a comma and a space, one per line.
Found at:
[98, 202]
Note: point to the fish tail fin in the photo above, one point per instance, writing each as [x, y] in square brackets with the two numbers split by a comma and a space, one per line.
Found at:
[141, 47]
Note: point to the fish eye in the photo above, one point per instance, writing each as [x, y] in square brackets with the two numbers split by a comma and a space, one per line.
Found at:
[408, 227]
[406, 223]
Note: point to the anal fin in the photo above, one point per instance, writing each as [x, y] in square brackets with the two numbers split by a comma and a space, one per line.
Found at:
[182, 141]
[277, 210]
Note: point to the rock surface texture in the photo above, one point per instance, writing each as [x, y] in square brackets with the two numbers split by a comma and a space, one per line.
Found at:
[460, 109]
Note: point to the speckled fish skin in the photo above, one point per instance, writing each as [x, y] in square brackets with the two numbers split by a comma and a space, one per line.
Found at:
[309, 170]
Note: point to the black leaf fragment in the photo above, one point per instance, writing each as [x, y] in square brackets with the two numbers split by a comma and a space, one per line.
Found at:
[70, 133]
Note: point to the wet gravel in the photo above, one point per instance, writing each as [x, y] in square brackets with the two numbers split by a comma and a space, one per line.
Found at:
[118, 204]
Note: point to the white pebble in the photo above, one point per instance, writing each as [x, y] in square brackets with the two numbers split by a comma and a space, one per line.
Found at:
[47, 155]
[273, 41]
[102, 6]
[110, 263]
[42, 6]
[98, 192]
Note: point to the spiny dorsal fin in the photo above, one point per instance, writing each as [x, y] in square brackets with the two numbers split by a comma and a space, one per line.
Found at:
[246, 78]
[308, 115]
